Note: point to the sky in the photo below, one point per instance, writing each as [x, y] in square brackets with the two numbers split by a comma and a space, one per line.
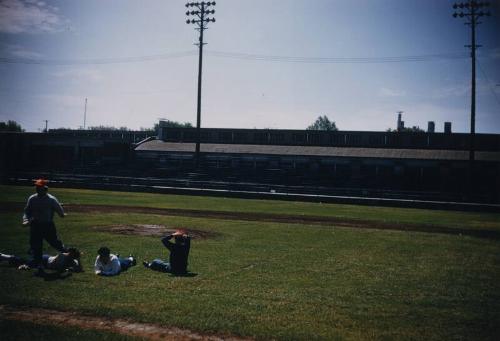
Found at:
[275, 64]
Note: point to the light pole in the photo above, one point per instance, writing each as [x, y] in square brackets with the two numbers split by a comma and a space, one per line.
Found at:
[85, 115]
[471, 10]
[200, 19]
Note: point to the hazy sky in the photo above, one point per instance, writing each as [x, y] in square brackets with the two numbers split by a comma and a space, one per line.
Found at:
[268, 64]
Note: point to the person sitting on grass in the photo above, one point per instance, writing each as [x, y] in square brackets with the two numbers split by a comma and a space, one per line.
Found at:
[108, 264]
[63, 261]
[179, 252]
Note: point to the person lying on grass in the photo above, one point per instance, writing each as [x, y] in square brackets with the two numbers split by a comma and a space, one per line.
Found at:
[63, 261]
[108, 264]
[179, 252]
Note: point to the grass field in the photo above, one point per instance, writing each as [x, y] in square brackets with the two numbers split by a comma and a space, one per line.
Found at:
[270, 280]
[16, 330]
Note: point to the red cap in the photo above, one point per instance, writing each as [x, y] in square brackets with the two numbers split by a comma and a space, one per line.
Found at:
[41, 183]
[179, 233]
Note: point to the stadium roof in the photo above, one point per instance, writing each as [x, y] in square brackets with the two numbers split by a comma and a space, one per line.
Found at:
[385, 153]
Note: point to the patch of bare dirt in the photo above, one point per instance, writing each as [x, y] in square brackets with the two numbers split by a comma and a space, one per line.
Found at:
[117, 326]
[154, 230]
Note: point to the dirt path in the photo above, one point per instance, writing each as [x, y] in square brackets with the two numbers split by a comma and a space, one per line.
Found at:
[279, 218]
[117, 326]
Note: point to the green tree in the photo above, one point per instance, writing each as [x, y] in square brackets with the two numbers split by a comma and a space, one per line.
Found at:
[168, 124]
[174, 124]
[171, 124]
[414, 129]
[323, 123]
[11, 126]
[102, 127]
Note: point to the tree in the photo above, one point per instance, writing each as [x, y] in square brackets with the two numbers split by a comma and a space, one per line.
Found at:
[103, 127]
[323, 123]
[414, 129]
[174, 124]
[167, 124]
[171, 124]
[11, 126]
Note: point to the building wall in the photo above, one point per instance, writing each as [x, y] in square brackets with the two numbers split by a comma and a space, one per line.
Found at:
[457, 141]
[439, 176]
[66, 150]
[113, 152]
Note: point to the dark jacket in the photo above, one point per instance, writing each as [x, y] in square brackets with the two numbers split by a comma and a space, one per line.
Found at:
[178, 254]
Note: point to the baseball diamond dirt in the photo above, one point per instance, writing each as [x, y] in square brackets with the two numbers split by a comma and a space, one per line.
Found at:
[118, 326]
[279, 218]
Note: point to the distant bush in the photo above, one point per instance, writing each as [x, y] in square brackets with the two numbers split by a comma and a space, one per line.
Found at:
[11, 126]
[414, 129]
[101, 127]
[323, 123]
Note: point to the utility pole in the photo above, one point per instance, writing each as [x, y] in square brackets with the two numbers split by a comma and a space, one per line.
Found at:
[200, 20]
[46, 126]
[85, 115]
[471, 10]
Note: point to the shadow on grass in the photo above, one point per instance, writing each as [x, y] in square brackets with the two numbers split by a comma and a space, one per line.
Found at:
[47, 276]
[188, 274]
[170, 274]
[54, 276]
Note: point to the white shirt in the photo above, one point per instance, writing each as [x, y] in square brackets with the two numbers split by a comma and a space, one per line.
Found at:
[111, 268]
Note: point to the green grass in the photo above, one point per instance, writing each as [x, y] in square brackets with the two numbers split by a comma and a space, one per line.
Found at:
[270, 280]
[18, 330]
[488, 221]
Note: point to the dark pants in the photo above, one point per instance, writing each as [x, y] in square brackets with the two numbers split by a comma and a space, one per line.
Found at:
[39, 232]
[160, 265]
[125, 263]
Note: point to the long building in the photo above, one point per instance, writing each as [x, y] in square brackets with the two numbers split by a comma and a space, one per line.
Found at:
[397, 161]
[434, 163]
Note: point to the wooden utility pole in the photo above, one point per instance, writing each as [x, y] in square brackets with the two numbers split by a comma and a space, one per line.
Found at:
[472, 11]
[200, 20]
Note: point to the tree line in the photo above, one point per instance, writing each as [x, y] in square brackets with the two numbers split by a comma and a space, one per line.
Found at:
[12, 126]
[321, 123]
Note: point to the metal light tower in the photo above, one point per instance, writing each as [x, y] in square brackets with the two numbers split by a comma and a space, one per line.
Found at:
[471, 10]
[198, 16]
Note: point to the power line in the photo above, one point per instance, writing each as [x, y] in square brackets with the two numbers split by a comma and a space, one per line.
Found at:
[490, 86]
[339, 60]
[116, 60]
[241, 56]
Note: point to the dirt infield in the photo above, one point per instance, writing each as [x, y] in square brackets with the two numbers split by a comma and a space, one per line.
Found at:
[154, 230]
[279, 218]
[117, 326]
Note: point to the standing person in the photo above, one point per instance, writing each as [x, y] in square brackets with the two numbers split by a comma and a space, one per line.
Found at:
[39, 214]
[108, 264]
[179, 252]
